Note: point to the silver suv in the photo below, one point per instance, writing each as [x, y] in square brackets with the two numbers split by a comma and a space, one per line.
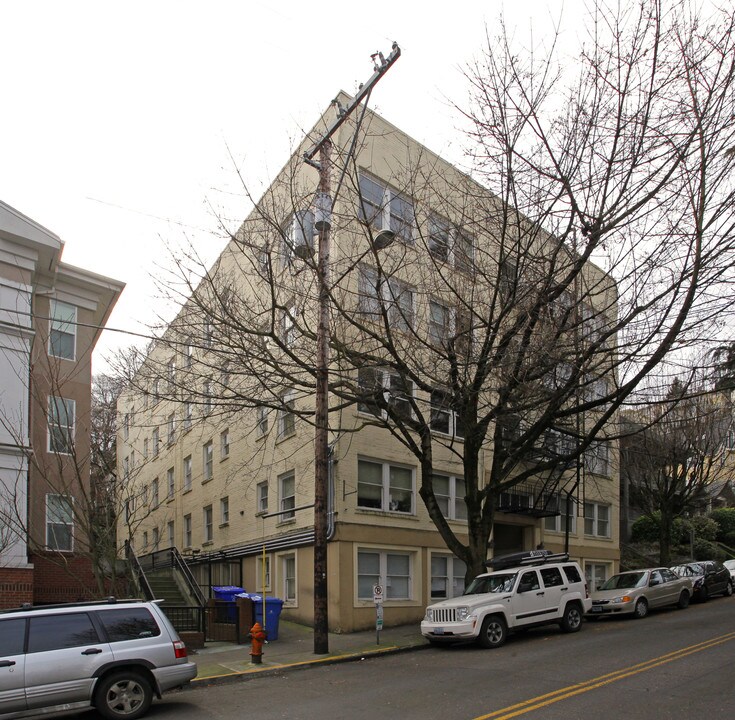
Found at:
[111, 655]
[526, 589]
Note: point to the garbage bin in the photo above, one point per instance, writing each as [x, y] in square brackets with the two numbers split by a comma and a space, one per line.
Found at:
[228, 593]
[272, 613]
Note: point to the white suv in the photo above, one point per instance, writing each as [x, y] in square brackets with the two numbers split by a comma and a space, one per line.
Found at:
[535, 588]
[111, 655]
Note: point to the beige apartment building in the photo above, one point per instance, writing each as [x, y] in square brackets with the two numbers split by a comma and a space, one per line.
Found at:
[220, 458]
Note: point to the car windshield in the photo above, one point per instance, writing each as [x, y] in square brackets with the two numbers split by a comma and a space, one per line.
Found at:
[625, 581]
[688, 570]
[729, 564]
[491, 584]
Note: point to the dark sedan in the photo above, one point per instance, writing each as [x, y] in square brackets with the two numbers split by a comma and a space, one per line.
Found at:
[709, 577]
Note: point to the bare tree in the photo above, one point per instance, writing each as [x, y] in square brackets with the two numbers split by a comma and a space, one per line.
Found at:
[517, 314]
[674, 451]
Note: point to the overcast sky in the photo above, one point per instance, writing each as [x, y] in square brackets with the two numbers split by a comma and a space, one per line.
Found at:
[119, 118]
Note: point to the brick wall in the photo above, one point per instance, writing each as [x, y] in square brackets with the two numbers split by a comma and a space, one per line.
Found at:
[16, 586]
[68, 579]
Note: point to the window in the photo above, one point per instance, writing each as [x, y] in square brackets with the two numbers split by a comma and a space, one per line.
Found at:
[61, 412]
[156, 442]
[288, 571]
[381, 207]
[128, 624]
[263, 573]
[449, 492]
[207, 461]
[187, 415]
[187, 473]
[558, 444]
[188, 355]
[558, 523]
[447, 576]
[208, 527]
[396, 297]
[440, 323]
[63, 332]
[597, 458]
[288, 326]
[596, 574]
[381, 486]
[154, 493]
[171, 531]
[286, 417]
[224, 444]
[224, 510]
[170, 482]
[262, 497]
[126, 468]
[390, 569]
[157, 389]
[596, 519]
[464, 251]
[395, 391]
[59, 523]
[12, 637]
[207, 393]
[443, 418]
[156, 539]
[551, 577]
[287, 496]
[439, 232]
[187, 531]
[262, 415]
[208, 332]
[171, 374]
[126, 426]
[170, 428]
[145, 448]
[46, 633]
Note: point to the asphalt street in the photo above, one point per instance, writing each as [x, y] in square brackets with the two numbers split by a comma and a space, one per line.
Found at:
[672, 664]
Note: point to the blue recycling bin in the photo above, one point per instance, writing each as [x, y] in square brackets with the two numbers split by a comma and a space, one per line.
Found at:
[272, 613]
[228, 594]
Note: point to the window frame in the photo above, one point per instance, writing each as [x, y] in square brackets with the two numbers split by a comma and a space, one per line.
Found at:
[224, 510]
[170, 483]
[188, 473]
[207, 461]
[284, 499]
[454, 428]
[187, 531]
[61, 436]
[60, 326]
[451, 575]
[207, 524]
[53, 522]
[390, 209]
[383, 577]
[595, 520]
[224, 444]
[386, 501]
[287, 415]
[388, 381]
[454, 500]
[260, 496]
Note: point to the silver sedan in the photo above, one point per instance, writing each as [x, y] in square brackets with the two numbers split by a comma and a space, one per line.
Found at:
[637, 591]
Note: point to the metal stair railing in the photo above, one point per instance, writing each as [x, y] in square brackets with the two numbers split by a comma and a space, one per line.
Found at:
[138, 573]
[179, 564]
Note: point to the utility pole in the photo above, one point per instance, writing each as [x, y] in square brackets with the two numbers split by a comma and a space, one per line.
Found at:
[323, 213]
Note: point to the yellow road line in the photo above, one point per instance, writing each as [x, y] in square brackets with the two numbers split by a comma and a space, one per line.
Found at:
[570, 691]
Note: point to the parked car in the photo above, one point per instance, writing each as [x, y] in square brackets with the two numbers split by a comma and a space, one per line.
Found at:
[637, 591]
[112, 655]
[730, 565]
[709, 577]
[537, 588]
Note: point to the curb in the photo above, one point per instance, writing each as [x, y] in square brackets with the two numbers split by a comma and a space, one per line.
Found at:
[301, 665]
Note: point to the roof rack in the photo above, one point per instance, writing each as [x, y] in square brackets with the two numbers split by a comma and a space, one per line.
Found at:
[529, 557]
[26, 607]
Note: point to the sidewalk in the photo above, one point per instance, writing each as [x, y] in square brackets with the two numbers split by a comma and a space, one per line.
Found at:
[295, 648]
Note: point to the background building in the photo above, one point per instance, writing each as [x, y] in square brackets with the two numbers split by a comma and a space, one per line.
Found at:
[51, 315]
[222, 454]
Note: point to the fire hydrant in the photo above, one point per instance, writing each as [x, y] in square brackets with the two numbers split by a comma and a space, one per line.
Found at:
[258, 637]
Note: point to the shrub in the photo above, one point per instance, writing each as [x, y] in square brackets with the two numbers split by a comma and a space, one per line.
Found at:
[725, 519]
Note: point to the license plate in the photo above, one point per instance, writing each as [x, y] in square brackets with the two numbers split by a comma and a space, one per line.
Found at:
[438, 631]
[596, 608]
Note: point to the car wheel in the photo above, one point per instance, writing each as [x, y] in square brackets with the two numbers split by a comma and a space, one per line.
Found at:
[641, 608]
[124, 694]
[683, 600]
[728, 589]
[571, 621]
[494, 632]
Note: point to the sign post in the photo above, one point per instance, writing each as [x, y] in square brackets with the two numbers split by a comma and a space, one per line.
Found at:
[378, 600]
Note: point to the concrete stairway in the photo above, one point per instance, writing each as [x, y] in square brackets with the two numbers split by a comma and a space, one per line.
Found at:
[164, 587]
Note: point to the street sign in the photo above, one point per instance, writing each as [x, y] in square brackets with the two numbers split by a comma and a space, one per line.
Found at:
[379, 618]
[377, 594]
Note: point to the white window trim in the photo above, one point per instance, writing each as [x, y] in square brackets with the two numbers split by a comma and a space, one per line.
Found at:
[288, 409]
[207, 461]
[454, 499]
[224, 511]
[207, 524]
[291, 475]
[187, 531]
[70, 430]
[373, 299]
[453, 417]
[70, 524]
[451, 574]
[224, 444]
[414, 579]
[188, 473]
[282, 559]
[596, 520]
[384, 378]
[259, 573]
[385, 477]
[384, 213]
[258, 487]
[65, 325]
